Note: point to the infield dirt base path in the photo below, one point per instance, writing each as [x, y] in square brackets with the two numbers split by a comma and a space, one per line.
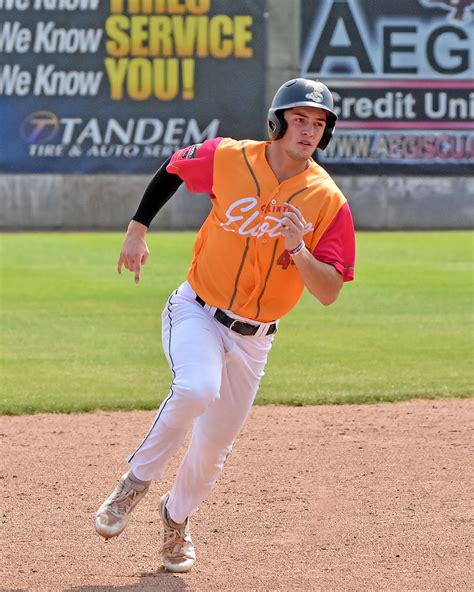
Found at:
[328, 498]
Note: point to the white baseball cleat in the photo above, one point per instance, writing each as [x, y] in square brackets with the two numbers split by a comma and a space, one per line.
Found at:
[177, 550]
[112, 516]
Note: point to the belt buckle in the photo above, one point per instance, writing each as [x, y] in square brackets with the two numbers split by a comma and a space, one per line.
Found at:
[231, 326]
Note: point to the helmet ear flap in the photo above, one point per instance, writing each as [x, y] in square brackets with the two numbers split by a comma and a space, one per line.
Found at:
[277, 125]
[326, 137]
[328, 131]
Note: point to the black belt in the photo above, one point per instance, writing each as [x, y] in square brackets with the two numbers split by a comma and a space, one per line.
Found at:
[235, 325]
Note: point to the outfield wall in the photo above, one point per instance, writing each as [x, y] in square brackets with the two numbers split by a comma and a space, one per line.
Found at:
[391, 199]
[106, 202]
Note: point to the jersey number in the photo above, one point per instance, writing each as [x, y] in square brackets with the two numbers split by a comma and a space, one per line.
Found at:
[285, 260]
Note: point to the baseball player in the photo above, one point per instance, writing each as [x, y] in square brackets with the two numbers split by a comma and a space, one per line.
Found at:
[278, 223]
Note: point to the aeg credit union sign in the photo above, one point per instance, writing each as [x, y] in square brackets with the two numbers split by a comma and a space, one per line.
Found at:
[402, 75]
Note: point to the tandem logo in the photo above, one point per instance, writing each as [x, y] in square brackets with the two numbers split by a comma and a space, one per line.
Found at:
[44, 126]
[39, 127]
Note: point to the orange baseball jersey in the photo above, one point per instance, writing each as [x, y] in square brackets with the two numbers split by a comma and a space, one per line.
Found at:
[239, 261]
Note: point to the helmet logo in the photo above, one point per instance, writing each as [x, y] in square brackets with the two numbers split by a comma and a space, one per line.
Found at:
[316, 92]
[315, 96]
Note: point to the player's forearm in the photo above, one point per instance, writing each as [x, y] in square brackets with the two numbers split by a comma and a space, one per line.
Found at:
[321, 279]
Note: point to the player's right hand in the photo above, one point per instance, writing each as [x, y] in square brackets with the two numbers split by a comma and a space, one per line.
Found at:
[134, 251]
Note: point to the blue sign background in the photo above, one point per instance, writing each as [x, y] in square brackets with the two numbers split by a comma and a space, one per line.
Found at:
[402, 75]
[56, 133]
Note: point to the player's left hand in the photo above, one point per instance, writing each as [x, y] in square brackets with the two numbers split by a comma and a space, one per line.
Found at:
[292, 227]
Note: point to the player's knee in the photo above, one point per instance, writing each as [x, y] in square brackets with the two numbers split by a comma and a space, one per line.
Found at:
[202, 393]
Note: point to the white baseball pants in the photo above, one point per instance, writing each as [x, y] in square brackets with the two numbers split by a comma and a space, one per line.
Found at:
[216, 375]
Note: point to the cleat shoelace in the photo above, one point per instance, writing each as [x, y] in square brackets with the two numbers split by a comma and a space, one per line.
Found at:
[174, 542]
[123, 501]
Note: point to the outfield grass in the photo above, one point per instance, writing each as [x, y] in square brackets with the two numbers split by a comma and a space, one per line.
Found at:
[78, 337]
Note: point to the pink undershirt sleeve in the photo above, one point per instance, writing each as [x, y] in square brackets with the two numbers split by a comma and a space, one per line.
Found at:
[337, 245]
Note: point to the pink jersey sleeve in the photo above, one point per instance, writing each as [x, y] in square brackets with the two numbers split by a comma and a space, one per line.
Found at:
[195, 165]
[337, 245]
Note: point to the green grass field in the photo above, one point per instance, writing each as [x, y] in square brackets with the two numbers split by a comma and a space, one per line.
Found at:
[78, 337]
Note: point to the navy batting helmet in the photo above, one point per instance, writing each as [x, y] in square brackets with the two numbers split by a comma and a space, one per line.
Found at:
[301, 92]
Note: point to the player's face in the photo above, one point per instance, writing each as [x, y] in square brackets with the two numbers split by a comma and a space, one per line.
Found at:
[305, 128]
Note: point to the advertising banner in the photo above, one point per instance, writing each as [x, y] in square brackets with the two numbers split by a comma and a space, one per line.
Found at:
[89, 86]
[402, 75]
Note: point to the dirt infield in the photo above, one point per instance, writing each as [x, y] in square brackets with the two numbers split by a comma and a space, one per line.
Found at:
[328, 498]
